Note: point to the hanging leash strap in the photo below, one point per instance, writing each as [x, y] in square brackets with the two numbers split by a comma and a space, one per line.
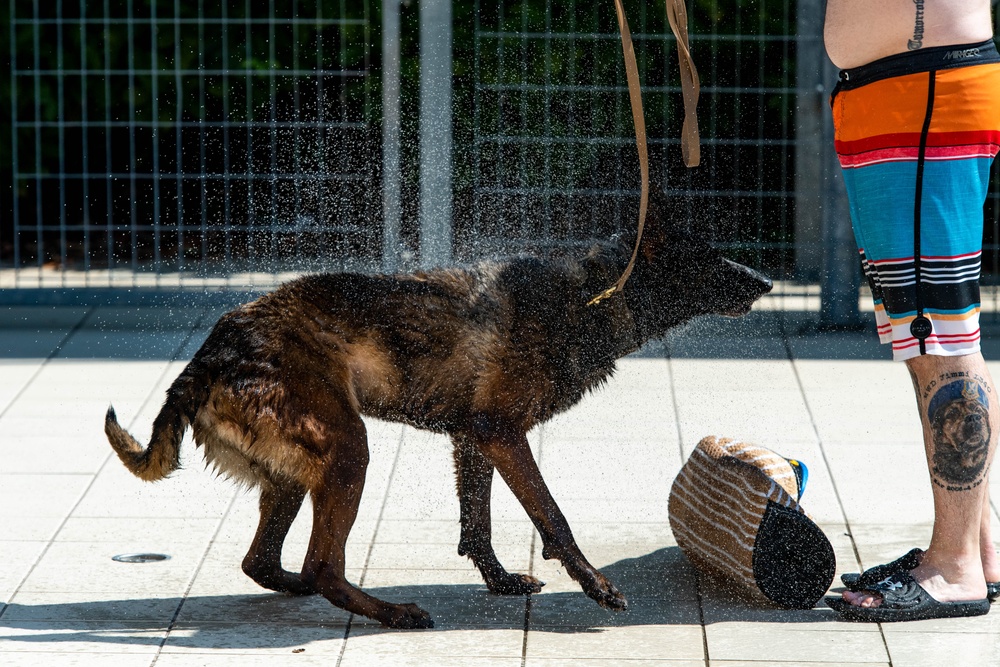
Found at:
[690, 83]
[635, 97]
[690, 150]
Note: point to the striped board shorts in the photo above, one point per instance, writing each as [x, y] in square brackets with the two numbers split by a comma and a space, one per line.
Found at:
[916, 134]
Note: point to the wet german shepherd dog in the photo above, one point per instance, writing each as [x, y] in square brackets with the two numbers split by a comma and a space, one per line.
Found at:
[484, 353]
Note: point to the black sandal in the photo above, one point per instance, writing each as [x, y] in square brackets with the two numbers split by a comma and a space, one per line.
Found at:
[903, 599]
[855, 581]
[858, 581]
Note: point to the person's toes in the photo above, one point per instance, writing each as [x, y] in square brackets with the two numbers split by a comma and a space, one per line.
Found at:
[862, 599]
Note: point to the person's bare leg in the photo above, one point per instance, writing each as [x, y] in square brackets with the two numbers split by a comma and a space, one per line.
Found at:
[988, 552]
[958, 408]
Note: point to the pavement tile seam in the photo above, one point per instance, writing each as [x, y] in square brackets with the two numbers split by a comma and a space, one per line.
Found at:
[401, 644]
[370, 548]
[55, 352]
[194, 576]
[41, 555]
[52, 354]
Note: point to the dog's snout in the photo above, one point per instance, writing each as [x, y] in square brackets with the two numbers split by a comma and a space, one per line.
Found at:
[738, 287]
[973, 424]
[764, 282]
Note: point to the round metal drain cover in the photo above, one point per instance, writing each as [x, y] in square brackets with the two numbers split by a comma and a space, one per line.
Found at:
[140, 558]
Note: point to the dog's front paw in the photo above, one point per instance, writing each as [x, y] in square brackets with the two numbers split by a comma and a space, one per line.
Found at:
[605, 593]
[406, 617]
[596, 585]
[612, 599]
[514, 584]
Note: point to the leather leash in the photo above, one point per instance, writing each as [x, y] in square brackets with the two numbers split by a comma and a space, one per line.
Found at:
[690, 87]
[690, 83]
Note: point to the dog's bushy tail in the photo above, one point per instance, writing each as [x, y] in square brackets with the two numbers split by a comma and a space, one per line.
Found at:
[162, 456]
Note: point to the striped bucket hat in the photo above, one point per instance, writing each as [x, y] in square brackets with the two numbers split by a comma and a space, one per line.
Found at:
[734, 510]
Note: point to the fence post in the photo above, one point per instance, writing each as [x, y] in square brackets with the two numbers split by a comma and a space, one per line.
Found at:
[841, 277]
[810, 110]
[824, 241]
[435, 133]
[391, 173]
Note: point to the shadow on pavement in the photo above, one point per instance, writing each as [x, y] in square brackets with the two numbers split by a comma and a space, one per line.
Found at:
[656, 583]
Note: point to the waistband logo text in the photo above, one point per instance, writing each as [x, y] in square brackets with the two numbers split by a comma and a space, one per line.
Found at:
[961, 55]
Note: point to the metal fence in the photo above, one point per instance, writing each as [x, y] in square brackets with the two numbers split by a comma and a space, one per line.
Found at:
[191, 144]
[553, 158]
[554, 155]
[175, 142]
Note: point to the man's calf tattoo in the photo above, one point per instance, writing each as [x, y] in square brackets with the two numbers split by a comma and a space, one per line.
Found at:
[958, 413]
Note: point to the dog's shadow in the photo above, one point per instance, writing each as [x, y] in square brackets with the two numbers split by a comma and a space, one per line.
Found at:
[663, 589]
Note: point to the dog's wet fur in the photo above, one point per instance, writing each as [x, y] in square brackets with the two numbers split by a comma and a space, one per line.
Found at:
[484, 353]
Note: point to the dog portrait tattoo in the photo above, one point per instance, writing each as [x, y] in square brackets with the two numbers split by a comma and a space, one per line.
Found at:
[959, 417]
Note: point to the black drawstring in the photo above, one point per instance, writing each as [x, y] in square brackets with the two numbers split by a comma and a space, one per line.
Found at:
[920, 327]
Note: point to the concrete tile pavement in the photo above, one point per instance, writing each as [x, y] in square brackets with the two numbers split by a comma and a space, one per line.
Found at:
[67, 506]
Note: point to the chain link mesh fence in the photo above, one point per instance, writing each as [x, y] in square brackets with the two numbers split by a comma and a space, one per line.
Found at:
[194, 144]
[159, 141]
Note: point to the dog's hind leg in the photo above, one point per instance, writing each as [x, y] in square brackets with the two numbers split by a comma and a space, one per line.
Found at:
[508, 450]
[278, 507]
[336, 496]
[475, 479]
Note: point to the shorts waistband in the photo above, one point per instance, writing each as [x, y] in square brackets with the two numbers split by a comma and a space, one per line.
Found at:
[922, 60]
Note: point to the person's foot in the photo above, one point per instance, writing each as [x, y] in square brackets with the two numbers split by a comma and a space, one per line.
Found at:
[958, 584]
[991, 564]
[903, 599]
[858, 581]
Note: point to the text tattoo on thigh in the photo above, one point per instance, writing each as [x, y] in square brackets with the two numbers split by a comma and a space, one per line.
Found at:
[958, 414]
[918, 27]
